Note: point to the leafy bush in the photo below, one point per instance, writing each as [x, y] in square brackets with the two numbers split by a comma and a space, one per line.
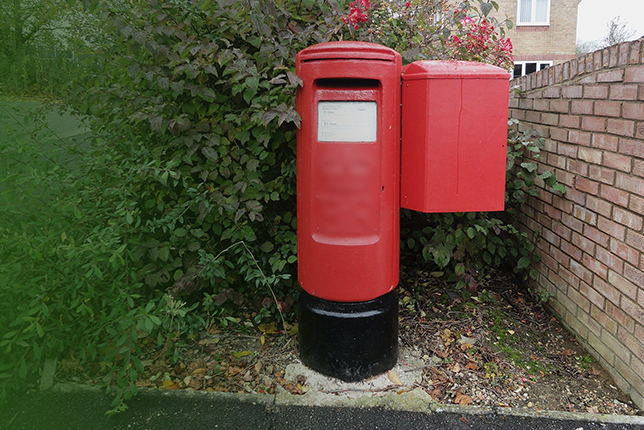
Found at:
[208, 89]
[65, 280]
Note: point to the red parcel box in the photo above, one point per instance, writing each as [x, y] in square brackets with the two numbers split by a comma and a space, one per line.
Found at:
[454, 136]
[348, 164]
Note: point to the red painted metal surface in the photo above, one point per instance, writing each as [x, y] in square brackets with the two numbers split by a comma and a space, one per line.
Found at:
[454, 136]
[348, 164]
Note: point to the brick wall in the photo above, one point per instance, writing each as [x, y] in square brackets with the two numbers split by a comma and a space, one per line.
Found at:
[591, 112]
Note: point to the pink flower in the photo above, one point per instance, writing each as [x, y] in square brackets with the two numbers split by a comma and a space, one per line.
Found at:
[357, 13]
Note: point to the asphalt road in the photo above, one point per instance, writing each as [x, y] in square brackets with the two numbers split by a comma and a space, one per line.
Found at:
[84, 410]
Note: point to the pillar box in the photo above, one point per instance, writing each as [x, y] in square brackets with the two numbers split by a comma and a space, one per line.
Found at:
[454, 136]
[348, 166]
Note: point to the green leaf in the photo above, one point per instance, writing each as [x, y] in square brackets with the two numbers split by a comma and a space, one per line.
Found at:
[459, 269]
[197, 232]
[137, 364]
[22, 369]
[530, 167]
[210, 153]
[164, 177]
[486, 8]
[10, 334]
[39, 330]
[487, 257]
[523, 263]
[559, 187]
[37, 351]
[163, 253]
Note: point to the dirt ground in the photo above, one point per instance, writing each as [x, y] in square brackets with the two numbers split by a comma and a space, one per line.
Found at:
[494, 348]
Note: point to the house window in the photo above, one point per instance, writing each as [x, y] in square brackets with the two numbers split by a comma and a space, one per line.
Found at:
[522, 68]
[533, 12]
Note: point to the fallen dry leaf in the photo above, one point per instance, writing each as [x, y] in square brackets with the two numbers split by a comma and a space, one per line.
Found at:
[196, 383]
[169, 385]
[460, 398]
[270, 328]
[394, 378]
[456, 368]
[294, 330]
[234, 370]
[143, 383]
[568, 352]
[595, 370]
[437, 394]
[472, 365]
[465, 400]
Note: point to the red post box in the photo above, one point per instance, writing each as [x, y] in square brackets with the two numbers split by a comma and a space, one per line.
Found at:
[454, 136]
[348, 204]
[348, 170]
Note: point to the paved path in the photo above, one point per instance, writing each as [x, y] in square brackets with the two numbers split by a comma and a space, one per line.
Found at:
[79, 408]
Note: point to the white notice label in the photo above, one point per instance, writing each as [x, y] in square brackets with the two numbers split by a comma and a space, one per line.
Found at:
[347, 121]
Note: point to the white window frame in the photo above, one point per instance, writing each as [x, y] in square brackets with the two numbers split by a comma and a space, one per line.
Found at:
[533, 14]
[539, 63]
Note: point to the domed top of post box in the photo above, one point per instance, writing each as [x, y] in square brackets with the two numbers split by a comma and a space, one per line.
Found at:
[452, 70]
[347, 50]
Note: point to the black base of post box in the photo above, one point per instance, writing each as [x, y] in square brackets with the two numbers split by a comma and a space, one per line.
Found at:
[349, 341]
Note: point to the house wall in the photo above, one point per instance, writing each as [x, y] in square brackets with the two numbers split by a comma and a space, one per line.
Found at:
[555, 42]
[591, 112]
